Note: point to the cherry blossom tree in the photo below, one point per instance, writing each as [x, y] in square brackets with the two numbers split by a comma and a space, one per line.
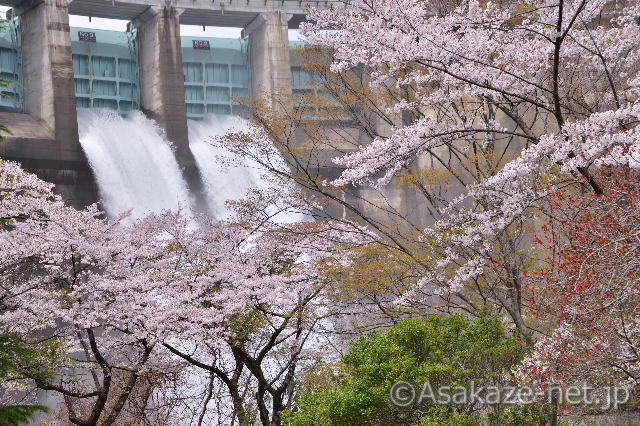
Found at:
[71, 276]
[551, 85]
[251, 311]
[239, 303]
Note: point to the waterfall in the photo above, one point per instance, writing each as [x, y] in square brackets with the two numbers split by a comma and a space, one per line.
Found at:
[225, 176]
[134, 165]
[228, 176]
[136, 169]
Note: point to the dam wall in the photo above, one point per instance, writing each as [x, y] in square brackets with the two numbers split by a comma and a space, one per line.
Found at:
[56, 69]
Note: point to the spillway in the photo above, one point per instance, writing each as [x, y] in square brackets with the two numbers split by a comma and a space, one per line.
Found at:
[136, 169]
[133, 163]
[225, 175]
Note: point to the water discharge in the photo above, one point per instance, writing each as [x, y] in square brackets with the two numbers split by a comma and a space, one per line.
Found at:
[225, 175]
[133, 163]
[136, 169]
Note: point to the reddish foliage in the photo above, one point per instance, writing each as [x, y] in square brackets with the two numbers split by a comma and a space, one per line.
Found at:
[592, 287]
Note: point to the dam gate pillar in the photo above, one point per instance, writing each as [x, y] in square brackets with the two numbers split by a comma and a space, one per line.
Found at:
[269, 57]
[47, 72]
[162, 92]
[45, 138]
[161, 75]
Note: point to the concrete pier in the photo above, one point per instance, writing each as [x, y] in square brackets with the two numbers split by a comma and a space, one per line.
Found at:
[47, 72]
[160, 73]
[162, 85]
[269, 57]
[45, 138]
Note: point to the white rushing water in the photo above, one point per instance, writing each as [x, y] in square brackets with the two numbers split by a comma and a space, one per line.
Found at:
[226, 176]
[133, 163]
[230, 177]
[136, 169]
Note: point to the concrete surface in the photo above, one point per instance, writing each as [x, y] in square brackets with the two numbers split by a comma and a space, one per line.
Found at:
[230, 13]
[269, 57]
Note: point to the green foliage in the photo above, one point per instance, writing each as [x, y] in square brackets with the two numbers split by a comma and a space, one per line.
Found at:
[18, 414]
[439, 416]
[20, 359]
[443, 350]
[514, 415]
[502, 416]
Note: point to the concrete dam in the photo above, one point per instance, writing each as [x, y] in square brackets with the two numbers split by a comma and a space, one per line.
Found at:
[87, 106]
[121, 117]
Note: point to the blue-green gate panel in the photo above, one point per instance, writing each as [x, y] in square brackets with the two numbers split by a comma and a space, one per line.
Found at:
[215, 73]
[105, 68]
[10, 67]
[305, 83]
